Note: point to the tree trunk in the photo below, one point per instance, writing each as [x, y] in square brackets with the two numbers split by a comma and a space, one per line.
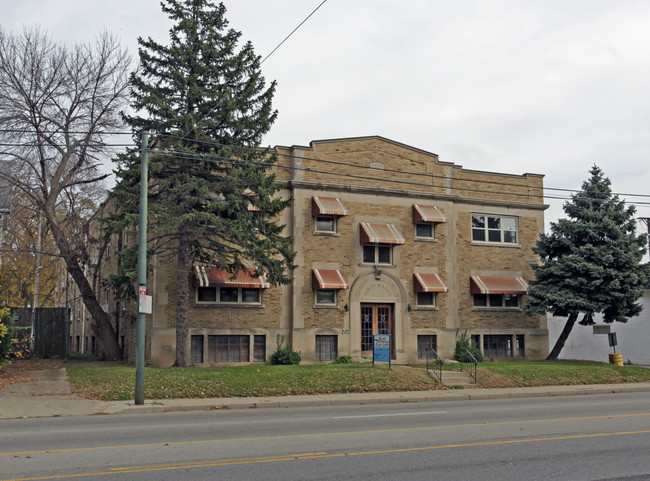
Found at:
[182, 297]
[559, 344]
[109, 348]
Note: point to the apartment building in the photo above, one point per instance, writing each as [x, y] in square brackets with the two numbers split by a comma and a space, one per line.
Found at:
[389, 240]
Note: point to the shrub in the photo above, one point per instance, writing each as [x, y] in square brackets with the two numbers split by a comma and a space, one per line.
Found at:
[20, 348]
[6, 332]
[463, 345]
[284, 354]
[343, 360]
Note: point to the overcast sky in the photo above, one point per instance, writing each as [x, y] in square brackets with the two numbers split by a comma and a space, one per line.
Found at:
[550, 87]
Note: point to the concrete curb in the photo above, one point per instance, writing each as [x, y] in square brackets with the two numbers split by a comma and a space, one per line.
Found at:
[171, 405]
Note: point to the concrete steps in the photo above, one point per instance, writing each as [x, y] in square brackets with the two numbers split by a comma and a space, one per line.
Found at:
[459, 379]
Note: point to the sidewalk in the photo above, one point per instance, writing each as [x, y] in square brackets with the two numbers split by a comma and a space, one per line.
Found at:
[50, 395]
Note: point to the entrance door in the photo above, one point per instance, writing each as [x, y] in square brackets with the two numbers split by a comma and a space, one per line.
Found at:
[375, 319]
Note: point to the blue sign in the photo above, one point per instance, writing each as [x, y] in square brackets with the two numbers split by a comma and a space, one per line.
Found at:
[381, 352]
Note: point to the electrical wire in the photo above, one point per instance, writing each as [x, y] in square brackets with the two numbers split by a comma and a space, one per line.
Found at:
[367, 167]
[184, 155]
[292, 32]
[208, 157]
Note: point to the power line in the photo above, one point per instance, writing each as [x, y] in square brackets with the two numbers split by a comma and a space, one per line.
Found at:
[416, 174]
[292, 32]
[278, 46]
[184, 155]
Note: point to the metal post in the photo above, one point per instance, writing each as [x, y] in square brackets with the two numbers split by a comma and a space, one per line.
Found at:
[142, 271]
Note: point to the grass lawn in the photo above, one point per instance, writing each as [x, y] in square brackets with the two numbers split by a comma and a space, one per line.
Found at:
[546, 373]
[115, 381]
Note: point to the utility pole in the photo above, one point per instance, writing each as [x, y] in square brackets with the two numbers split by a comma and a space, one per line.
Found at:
[142, 271]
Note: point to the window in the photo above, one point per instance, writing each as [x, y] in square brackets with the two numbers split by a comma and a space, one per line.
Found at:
[326, 348]
[243, 295]
[229, 348]
[496, 300]
[196, 349]
[497, 345]
[424, 230]
[520, 346]
[377, 253]
[326, 284]
[259, 348]
[325, 211]
[325, 223]
[427, 346]
[494, 229]
[426, 299]
[325, 296]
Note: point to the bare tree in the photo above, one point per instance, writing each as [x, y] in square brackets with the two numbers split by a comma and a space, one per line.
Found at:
[58, 106]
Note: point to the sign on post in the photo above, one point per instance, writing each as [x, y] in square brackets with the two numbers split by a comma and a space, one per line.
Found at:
[381, 348]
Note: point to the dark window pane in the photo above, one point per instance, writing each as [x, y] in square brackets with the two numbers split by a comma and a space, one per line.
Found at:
[496, 300]
[228, 294]
[233, 348]
[494, 235]
[494, 223]
[425, 299]
[521, 347]
[196, 349]
[259, 348]
[250, 295]
[383, 254]
[207, 294]
[326, 348]
[325, 224]
[369, 253]
[325, 296]
[424, 230]
[427, 344]
[511, 300]
[497, 345]
[478, 221]
[480, 300]
[478, 235]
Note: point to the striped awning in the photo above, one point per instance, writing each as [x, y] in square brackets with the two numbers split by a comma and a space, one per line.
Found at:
[427, 213]
[327, 206]
[329, 279]
[220, 277]
[497, 285]
[380, 234]
[428, 283]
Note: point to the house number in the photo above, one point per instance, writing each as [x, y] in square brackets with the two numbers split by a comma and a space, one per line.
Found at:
[345, 331]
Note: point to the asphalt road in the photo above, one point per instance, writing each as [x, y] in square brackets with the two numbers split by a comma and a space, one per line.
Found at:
[593, 437]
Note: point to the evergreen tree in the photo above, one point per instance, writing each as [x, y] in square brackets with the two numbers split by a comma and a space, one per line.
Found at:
[206, 104]
[591, 261]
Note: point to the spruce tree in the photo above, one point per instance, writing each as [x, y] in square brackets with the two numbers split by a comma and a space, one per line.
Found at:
[206, 105]
[591, 261]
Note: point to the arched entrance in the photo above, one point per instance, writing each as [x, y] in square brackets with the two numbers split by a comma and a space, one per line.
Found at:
[378, 305]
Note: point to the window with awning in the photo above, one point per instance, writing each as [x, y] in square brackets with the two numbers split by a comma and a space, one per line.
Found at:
[428, 283]
[380, 234]
[328, 279]
[244, 278]
[497, 285]
[327, 206]
[428, 213]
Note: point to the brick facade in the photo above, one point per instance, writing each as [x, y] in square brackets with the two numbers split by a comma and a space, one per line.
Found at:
[377, 181]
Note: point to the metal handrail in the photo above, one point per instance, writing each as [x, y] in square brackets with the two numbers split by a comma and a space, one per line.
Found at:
[467, 358]
[434, 363]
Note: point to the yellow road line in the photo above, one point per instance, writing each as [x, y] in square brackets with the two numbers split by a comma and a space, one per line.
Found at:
[289, 436]
[299, 457]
